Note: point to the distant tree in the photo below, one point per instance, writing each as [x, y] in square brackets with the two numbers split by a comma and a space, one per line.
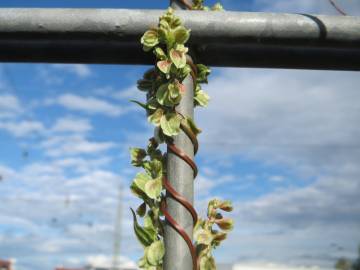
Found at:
[346, 264]
[343, 264]
[356, 264]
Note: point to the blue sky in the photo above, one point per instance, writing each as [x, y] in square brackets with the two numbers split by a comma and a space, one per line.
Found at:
[283, 145]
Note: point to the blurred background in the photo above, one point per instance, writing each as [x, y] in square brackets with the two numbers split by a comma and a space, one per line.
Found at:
[283, 145]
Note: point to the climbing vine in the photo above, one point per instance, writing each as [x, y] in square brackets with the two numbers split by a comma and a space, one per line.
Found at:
[164, 88]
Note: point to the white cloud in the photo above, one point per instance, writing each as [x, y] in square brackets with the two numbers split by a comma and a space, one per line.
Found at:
[82, 165]
[272, 266]
[53, 216]
[48, 77]
[298, 118]
[303, 6]
[57, 146]
[304, 122]
[22, 128]
[276, 178]
[88, 105]
[105, 261]
[72, 124]
[79, 70]
[9, 106]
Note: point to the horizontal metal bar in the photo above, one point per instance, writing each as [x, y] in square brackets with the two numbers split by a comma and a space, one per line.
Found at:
[232, 39]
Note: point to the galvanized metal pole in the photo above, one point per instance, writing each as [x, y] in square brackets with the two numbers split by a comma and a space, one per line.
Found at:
[180, 175]
[238, 39]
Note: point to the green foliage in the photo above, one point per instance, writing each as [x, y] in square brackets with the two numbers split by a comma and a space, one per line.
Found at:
[346, 264]
[207, 237]
[199, 5]
[164, 87]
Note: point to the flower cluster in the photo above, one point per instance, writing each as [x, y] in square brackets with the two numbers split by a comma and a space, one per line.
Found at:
[164, 88]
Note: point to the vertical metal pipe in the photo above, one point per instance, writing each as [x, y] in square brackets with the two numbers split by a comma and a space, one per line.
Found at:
[180, 175]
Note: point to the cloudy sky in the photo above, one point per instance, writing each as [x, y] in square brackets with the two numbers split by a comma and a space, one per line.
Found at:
[282, 144]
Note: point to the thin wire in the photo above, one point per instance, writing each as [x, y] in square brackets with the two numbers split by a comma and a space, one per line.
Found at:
[342, 12]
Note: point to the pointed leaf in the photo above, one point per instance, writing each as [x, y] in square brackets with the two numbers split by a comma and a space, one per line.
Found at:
[142, 235]
[142, 105]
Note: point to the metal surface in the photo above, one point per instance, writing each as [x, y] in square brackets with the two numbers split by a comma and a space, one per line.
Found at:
[236, 39]
[181, 177]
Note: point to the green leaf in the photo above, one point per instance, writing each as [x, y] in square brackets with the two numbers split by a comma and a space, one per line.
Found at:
[185, 71]
[149, 226]
[154, 168]
[203, 237]
[189, 122]
[159, 135]
[156, 117]
[142, 105]
[201, 98]
[169, 39]
[226, 224]
[181, 35]
[218, 237]
[161, 94]
[137, 156]
[160, 54]
[150, 74]
[178, 58]
[155, 253]
[142, 263]
[141, 210]
[203, 73]
[153, 188]
[170, 124]
[164, 66]
[217, 7]
[144, 85]
[168, 95]
[174, 92]
[207, 263]
[138, 185]
[226, 206]
[152, 104]
[150, 38]
[144, 237]
[212, 206]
